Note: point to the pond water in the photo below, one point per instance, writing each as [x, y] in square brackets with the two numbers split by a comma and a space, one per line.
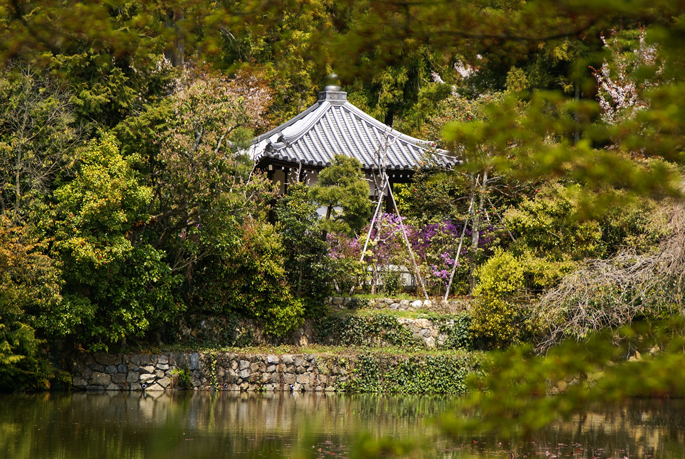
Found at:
[231, 425]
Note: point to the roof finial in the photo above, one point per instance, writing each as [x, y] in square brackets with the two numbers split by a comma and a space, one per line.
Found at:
[333, 83]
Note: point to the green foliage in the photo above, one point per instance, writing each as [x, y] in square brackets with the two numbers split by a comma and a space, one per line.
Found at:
[251, 280]
[307, 265]
[496, 315]
[352, 330]
[513, 395]
[546, 225]
[413, 375]
[38, 133]
[182, 378]
[458, 329]
[342, 185]
[226, 330]
[431, 198]
[22, 365]
[29, 288]
[113, 287]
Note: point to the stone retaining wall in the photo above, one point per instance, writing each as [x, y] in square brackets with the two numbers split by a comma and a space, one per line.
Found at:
[221, 371]
[395, 304]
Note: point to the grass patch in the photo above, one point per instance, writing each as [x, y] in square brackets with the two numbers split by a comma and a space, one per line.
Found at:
[324, 350]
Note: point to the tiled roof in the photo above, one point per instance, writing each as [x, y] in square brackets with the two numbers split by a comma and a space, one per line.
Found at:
[335, 126]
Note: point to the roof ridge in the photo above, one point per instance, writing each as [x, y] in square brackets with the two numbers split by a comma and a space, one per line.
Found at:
[288, 123]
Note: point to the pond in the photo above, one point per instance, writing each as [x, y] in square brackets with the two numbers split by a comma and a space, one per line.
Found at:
[233, 425]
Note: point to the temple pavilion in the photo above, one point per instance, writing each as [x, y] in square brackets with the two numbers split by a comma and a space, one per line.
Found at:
[298, 149]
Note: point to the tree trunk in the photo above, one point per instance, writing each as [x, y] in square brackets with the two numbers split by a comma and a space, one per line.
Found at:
[576, 116]
[476, 226]
[17, 176]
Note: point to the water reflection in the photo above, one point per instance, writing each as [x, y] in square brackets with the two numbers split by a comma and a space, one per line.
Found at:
[210, 425]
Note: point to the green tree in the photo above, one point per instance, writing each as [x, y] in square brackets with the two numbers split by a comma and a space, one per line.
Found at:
[307, 265]
[342, 185]
[115, 285]
[201, 186]
[29, 288]
[38, 133]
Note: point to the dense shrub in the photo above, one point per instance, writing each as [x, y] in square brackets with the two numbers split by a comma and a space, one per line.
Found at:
[251, 281]
[496, 314]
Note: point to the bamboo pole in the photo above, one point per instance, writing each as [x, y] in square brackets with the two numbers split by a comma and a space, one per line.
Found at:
[456, 257]
[406, 241]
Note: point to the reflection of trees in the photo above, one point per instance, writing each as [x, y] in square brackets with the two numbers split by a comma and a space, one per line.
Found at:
[132, 425]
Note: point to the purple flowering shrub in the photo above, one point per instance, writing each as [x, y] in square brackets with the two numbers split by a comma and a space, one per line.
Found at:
[434, 246]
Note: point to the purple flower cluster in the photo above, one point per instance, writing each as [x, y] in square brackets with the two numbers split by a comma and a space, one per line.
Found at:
[434, 247]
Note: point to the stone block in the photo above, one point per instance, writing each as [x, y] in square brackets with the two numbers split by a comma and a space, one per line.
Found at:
[159, 373]
[132, 377]
[245, 374]
[234, 365]
[394, 306]
[428, 304]
[287, 359]
[134, 387]
[389, 301]
[146, 378]
[122, 368]
[430, 342]
[154, 388]
[112, 387]
[119, 378]
[164, 382]
[135, 359]
[111, 369]
[194, 361]
[303, 379]
[265, 377]
[162, 366]
[255, 367]
[107, 359]
[162, 359]
[417, 304]
[144, 359]
[244, 364]
[100, 379]
[132, 367]
[275, 378]
[97, 367]
[422, 323]
[300, 370]
[147, 369]
[78, 382]
[271, 368]
[272, 359]
[289, 378]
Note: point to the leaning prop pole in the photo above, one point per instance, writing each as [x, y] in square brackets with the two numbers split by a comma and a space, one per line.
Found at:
[373, 221]
[406, 241]
[456, 257]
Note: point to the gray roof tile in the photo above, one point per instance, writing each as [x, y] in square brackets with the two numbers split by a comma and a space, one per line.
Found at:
[334, 126]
